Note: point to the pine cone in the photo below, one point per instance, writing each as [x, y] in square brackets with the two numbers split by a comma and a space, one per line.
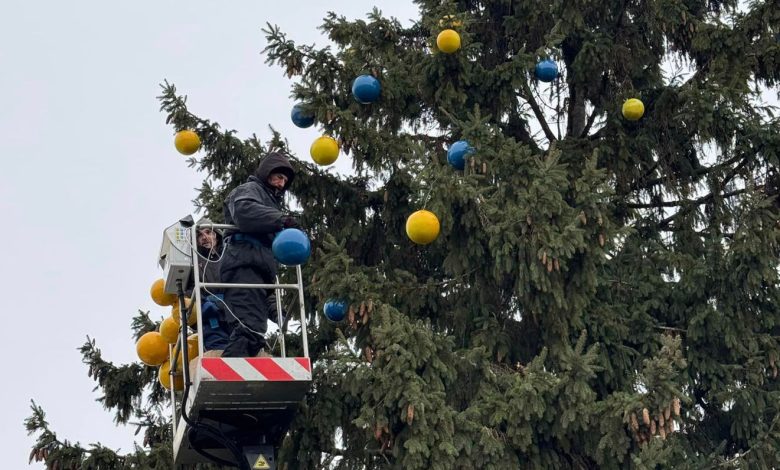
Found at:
[676, 405]
[652, 428]
[601, 240]
[410, 413]
[661, 421]
[634, 423]
[646, 416]
[667, 412]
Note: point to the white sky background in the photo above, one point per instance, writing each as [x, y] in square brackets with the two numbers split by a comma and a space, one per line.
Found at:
[90, 177]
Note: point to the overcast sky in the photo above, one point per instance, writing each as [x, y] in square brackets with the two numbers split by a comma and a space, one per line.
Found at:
[90, 177]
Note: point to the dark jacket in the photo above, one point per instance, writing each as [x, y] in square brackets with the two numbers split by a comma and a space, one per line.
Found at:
[255, 207]
[208, 267]
[208, 264]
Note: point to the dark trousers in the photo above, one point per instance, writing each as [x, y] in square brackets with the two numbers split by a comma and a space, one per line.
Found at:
[250, 306]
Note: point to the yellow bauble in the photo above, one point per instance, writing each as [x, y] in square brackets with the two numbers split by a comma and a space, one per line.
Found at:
[192, 353]
[176, 312]
[169, 330]
[422, 227]
[448, 41]
[324, 150]
[633, 109]
[193, 340]
[159, 295]
[164, 375]
[152, 349]
[187, 142]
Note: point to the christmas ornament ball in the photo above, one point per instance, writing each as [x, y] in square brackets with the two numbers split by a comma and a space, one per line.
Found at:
[300, 117]
[164, 376]
[366, 89]
[186, 142]
[457, 153]
[422, 227]
[546, 70]
[633, 109]
[152, 349]
[324, 150]
[448, 41]
[159, 296]
[335, 309]
[291, 247]
[169, 330]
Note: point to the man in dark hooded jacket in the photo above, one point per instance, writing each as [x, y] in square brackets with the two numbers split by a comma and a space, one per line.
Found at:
[215, 328]
[255, 208]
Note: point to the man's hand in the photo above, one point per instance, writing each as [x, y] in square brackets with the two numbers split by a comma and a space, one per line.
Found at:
[289, 221]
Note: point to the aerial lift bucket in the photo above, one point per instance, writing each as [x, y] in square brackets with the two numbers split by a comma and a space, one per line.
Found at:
[245, 402]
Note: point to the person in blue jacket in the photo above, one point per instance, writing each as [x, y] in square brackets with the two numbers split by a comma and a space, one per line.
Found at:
[255, 207]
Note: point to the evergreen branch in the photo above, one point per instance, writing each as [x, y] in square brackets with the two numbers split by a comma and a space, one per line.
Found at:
[671, 328]
[699, 172]
[589, 124]
[122, 386]
[596, 112]
[741, 457]
[685, 202]
[529, 97]
[62, 454]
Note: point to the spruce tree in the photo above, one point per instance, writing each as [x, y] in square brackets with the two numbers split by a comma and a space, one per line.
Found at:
[603, 292]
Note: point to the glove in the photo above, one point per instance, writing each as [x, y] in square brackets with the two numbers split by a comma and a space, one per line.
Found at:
[289, 221]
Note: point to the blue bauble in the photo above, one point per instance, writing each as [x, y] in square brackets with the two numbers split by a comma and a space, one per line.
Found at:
[547, 70]
[366, 89]
[300, 118]
[291, 247]
[456, 155]
[335, 310]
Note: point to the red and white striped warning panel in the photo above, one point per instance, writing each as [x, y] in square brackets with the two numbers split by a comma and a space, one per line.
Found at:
[240, 369]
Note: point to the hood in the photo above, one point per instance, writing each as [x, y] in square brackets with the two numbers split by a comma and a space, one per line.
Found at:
[275, 162]
[206, 220]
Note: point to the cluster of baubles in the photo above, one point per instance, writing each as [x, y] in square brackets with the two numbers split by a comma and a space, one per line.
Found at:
[157, 348]
[325, 149]
[292, 247]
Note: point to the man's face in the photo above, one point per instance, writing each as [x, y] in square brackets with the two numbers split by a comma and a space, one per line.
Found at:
[277, 180]
[207, 238]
